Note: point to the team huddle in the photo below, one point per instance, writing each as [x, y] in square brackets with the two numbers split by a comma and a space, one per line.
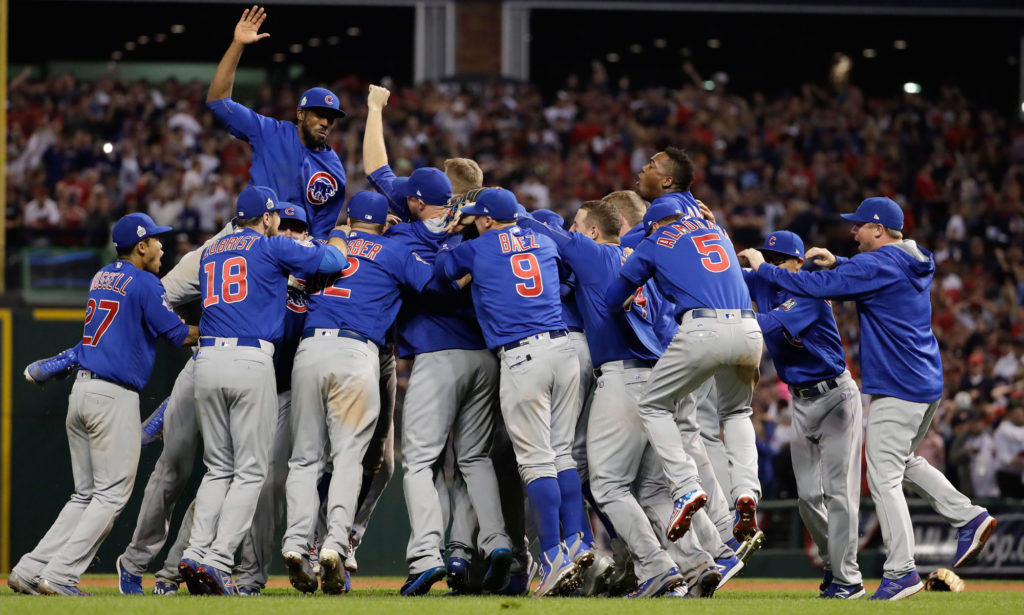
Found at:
[608, 368]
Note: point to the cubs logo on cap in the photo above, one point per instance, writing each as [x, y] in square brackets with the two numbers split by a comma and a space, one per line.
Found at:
[291, 211]
[323, 100]
[784, 242]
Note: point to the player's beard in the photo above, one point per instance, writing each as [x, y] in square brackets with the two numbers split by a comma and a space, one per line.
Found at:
[311, 137]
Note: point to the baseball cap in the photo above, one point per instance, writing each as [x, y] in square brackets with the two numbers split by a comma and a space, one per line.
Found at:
[784, 242]
[497, 203]
[429, 184]
[321, 98]
[879, 210]
[548, 217]
[367, 206]
[660, 211]
[256, 201]
[291, 211]
[133, 228]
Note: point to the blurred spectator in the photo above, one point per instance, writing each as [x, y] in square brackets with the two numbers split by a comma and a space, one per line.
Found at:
[41, 212]
[973, 454]
[1009, 445]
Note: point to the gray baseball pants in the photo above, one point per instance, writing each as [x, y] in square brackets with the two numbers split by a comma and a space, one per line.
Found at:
[587, 381]
[450, 392]
[170, 474]
[104, 432]
[539, 391]
[829, 430]
[335, 400]
[236, 398]
[379, 461]
[726, 347]
[895, 429]
[710, 433]
[735, 426]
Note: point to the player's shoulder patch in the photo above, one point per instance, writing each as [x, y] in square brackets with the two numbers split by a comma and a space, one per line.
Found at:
[306, 243]
[788, 305]
[419, 258]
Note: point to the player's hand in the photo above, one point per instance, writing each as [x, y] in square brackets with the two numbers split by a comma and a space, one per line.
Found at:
[247, 28]
[753, 257]
[378, 97]
[706, 212]
[821, 257]
[625, 254]
[464, 281]
[392, 220]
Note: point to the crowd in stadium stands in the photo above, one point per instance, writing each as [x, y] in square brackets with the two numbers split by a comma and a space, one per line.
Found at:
[794, 160]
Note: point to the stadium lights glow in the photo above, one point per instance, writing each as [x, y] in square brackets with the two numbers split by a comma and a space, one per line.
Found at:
[177, 28]
[278, 57]
[353, 31]
[709, 85]
[1022, 107]
[912, 88]
[660, 43]
[108, 148]
[129, 45]
[714, 43]
[870, 53]
[295, 48]
[313, 42]
[899, 44]
[612, 57]
[636, 48]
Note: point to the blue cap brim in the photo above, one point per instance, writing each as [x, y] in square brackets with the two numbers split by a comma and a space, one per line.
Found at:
[159, 230]
[853, 218]
[474, 210]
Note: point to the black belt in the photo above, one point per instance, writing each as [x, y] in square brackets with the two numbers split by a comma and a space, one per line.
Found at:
[346, 333]
[709, 313]
[816, 389]
[575, 329]
[631, 364]
[526, 340]
[211, 340]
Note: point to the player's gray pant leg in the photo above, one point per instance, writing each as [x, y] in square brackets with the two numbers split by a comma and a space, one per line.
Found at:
[462, 537]
[826, 461]
[236, 397]
[170, 474]
[895, 428]
[379, 461]
[587, 381]
[539, 390]
[691, 414]
[170, 572]
[259, 546]
[727, 347]
[710, 433]
[450, 391]
[103, 431]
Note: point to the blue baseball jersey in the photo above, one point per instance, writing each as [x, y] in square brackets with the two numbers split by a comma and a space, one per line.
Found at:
[127, 310]
[693, 264]
[243, 280]
[314, 178]
[683, 200]
[570, 310]
[611, 334]
[515, 282]
[366, 296]
[294, 323]
[800, 333]
[382, 180]
[430, 322]
[899, 355]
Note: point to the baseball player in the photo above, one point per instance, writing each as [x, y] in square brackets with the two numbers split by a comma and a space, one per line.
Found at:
[667, 179]
[243, 278]
[293, 160]
[336, 379]
[516, 272]
[901, 368]
[126, 312]
[803, 339]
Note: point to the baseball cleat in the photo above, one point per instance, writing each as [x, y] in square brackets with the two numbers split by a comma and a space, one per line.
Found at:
[707, 583]
[624, 580]
[219, 581]
[153, 427]
[557, 572]
[729, 567]
[250, 591]
[679, 591]
[826, 580]
[419, 584]
[165, 588]
[581, 553]
[300, 572]
[843, 592]
[50, 588]
[750, 545]
[499, 565]
[746, 517]
[971, 539]
[658, 584]
[22, 585]
[350, 558]
[597, 577]
[685, 508]
[189, 570]
[56, 367]
[127, 583]
[332, 572]
[458, 574]
[898, 589]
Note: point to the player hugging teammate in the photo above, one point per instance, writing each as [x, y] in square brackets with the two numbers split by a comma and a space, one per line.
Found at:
[607, 367]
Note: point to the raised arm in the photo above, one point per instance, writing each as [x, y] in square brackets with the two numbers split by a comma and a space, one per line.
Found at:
[375, 154]
[246, 32]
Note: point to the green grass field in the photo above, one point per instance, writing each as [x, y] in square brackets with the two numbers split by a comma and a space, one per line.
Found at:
[981, 597]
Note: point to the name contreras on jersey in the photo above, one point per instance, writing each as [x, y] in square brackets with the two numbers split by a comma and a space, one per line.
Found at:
[514, 243]
[683, 227]
[110, 280]
[231, 243]
[364, 248]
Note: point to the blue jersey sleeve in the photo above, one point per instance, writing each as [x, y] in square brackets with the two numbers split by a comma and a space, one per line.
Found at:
[452, 264]
[797, 314]
[855, 279]
[416, 272]
[158, 316]
[639, 267]
[297, 256]
[240, 120]
[383, 180]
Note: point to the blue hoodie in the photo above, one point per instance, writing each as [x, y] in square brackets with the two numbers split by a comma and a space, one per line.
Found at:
[899, 355]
